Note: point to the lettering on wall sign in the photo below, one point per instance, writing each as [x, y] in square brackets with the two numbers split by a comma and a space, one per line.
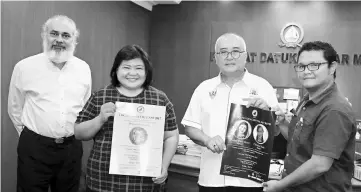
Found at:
[357, 59]
[292, 58]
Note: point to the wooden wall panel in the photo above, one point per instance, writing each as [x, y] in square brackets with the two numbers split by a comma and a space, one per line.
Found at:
[260, 24]
[178, 60]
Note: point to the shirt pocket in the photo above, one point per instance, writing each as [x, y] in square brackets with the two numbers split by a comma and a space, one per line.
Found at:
[303, 130]
[297, 130]
[210, 118]
[304, 138]
[306, 133]
[76, 90]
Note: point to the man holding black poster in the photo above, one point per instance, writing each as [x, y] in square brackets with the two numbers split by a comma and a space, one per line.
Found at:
[208, 112]
[321, 135]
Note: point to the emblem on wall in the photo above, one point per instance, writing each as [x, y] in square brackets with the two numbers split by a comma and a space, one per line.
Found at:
[291, 36]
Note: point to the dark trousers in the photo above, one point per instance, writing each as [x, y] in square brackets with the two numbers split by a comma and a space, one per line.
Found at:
[230, 189]
[43, 163]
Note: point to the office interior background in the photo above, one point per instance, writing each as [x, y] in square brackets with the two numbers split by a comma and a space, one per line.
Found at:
[179, 36]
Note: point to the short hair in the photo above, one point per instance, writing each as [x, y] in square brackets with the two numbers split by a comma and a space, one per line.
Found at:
[45, 26]
[130, 52]
[243, 123]
[228, 34]
[329, 53]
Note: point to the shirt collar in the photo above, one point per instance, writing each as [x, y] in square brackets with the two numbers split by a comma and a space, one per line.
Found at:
[319, 97]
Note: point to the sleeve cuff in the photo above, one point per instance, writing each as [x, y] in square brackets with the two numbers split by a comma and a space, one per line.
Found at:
[186, 122]
[326, 154]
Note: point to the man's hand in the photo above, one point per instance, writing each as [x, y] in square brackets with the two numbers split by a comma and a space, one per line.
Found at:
[272, 186]
[216, 144]
[258, 103]
[107, 110]
[161, 179]
[281, 116]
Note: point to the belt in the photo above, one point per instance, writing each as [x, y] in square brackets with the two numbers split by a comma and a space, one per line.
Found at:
[60, 140]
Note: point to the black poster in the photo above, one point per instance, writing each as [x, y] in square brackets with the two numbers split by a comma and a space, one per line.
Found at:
[249, 141]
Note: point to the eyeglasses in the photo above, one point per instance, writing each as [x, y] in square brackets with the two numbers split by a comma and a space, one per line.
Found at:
[235, 54]
[310, 67]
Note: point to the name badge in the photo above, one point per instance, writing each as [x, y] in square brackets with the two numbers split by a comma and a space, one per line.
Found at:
[213, 93]
[253, 92]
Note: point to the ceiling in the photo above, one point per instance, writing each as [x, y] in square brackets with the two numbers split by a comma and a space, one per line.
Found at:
[150, 3]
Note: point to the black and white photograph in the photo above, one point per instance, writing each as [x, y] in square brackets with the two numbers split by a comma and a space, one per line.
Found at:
[66, 63]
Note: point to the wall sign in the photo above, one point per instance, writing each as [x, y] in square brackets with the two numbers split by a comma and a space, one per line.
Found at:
[291, 36]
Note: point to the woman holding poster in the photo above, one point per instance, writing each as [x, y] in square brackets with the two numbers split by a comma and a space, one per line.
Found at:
[131, 77]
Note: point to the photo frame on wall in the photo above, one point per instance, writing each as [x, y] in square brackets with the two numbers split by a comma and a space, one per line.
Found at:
[288, 98]
[288, 93]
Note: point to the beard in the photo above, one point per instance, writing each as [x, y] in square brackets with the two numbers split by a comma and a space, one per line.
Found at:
[58, 56]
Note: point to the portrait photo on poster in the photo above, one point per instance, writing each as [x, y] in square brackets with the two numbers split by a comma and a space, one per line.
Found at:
[240, 130]
[260, 134]
[138, 135]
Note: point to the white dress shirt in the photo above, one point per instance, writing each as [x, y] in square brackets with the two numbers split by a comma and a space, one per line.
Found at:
[208, 110]
[47, 99]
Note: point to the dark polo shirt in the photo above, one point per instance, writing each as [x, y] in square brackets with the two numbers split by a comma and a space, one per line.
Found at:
[324, 125]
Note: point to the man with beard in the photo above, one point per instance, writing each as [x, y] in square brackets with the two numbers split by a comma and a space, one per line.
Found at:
[47, 91]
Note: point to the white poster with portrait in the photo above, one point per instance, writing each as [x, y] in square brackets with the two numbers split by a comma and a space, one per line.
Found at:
[137, 143]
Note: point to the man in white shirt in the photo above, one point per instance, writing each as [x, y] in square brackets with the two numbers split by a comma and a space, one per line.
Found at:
[47, 91]
[206, 117]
